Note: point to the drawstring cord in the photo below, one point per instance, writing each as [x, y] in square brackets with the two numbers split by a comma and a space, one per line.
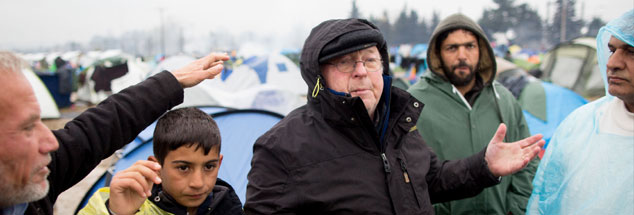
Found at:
[317, 87]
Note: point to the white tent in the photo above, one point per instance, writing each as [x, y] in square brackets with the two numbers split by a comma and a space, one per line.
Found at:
[48, 107]
[270, 82]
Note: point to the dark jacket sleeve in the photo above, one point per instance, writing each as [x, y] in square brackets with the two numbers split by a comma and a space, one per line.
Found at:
[99, 132]
[458, 179]
[268, 182]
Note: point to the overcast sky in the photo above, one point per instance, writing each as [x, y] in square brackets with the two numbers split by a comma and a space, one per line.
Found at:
[37, 23]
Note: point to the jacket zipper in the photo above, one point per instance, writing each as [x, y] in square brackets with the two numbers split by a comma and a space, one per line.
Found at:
[407, 179]
[386, 163]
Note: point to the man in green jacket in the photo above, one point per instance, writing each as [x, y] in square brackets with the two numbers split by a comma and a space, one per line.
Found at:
[463, 108]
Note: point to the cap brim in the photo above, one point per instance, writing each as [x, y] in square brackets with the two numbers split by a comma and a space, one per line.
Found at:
[345, 51]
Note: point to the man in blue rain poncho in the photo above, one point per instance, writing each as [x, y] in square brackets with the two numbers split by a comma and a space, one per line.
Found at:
[588, 167]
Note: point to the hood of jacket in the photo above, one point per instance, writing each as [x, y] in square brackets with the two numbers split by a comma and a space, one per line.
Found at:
[319, 37]
[486, 65]
[621, 28]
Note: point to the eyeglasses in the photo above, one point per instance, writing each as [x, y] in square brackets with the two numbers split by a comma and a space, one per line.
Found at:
[348, 66]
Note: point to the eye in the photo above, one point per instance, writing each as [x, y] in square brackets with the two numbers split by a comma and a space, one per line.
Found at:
[372, 60]
[611, 48]
[29, 129]
[450, 48]
[345, 62]
[210, 166]
[471, 46]
[182, 168]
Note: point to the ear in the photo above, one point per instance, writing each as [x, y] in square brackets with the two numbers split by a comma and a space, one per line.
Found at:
[152, 158]
[220, 160]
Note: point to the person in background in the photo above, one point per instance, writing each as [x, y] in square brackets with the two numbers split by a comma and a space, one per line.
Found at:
[37, 164]
[588, 167]
[463, 107]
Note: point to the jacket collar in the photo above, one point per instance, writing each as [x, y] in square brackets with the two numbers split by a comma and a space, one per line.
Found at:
[166, 202]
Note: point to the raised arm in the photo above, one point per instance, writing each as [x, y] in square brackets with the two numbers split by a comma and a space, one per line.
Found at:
[98, 132]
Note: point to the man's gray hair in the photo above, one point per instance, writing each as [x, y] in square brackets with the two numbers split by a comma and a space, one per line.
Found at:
[10, 62]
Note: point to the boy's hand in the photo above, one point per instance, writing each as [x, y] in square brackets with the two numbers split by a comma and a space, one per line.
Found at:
[130, 187]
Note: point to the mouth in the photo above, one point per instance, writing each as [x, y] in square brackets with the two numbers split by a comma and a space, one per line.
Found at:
[42, 172]
[196, 196]
[359, 90]
[616, 80]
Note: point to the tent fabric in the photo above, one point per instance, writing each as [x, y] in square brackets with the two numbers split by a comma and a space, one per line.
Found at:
[559, 103]
[544, 104]
[270, 82]
[48, 107]
[238, 131]
[573, 65]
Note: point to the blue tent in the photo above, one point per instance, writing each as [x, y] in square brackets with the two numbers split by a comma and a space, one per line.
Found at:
[559, 103]
[238, 129]
[544, 104]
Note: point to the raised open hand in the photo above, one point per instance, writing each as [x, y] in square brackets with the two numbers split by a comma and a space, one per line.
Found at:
[507, 158]
[199, 70]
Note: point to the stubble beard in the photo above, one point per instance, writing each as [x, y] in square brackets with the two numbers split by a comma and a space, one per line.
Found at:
[12, 193]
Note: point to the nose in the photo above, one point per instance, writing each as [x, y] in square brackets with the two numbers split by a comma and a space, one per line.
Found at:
[462, 53]
[359, 69]
[47, 141]
[196, 181]
[615, 61]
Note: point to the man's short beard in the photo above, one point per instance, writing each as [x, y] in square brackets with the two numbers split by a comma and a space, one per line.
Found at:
[457, 80]
[11, 194]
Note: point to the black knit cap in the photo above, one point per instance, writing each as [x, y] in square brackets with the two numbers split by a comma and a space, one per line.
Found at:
[351, 42]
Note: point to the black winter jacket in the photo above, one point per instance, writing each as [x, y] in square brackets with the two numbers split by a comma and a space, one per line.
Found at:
[99, 132]
[324, 157]
[224, 201]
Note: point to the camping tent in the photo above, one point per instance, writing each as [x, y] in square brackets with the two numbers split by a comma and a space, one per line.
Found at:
[48, 107]
[238, 130]
[269, 82]
[544, 104]
[573, 65]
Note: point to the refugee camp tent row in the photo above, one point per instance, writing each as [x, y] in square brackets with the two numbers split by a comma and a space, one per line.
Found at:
[238, 131]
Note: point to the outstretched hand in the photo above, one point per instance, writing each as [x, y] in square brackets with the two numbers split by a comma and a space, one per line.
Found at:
[130, 187]
[199, 70]
[507, 158]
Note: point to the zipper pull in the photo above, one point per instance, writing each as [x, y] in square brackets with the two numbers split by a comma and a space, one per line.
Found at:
[386, 164]
[404, 168]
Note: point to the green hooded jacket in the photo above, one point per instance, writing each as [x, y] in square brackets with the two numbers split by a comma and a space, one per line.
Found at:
[455, 129]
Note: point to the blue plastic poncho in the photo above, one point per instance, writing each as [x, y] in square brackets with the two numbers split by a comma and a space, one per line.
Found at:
[586, 170]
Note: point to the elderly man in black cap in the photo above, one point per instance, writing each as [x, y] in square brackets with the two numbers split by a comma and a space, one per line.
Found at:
[354, 148]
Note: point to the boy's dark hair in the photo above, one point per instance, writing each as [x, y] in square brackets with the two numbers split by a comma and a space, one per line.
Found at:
[185, 127]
